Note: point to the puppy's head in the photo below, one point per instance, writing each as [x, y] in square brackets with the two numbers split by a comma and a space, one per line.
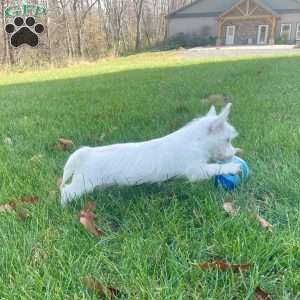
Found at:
[220, 134]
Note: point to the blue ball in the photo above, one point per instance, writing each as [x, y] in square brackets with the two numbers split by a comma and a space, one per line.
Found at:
[230, 182]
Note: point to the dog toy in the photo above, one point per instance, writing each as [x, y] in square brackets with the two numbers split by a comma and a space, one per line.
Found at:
[230, 182]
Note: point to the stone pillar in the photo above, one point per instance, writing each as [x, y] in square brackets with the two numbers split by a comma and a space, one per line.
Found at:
[273, 32]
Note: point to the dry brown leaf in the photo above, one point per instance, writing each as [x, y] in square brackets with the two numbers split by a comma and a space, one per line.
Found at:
[89, 206]
[223, 266]
[23, 214]
[263, 223]
[65, 144]
[28, 199]
[229, 208]
[217, 99]
[6, 208]
[87, 219]
[97, 288]
[260, 294]
[13, 203]
[13, 206]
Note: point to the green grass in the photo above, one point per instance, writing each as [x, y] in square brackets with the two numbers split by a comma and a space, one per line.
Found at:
[151, 253]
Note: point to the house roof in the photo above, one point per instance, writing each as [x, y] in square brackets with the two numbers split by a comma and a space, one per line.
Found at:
[210, 8]
[258, 2]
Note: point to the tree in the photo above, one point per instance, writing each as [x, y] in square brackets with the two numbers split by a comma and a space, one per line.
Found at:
[118, 25]
[138, 7]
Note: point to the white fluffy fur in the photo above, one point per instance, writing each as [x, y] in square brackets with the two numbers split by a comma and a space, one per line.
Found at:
[191, 152]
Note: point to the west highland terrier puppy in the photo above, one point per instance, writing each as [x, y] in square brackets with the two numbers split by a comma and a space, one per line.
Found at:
[191, 152]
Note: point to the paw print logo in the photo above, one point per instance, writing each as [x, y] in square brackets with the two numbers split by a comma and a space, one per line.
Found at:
[24, 32]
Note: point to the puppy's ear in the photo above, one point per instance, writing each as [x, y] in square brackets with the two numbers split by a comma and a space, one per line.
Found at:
[212, 112]
[221, 118]
[225, 112]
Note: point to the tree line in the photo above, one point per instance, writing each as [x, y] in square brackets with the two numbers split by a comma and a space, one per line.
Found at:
[89, 29]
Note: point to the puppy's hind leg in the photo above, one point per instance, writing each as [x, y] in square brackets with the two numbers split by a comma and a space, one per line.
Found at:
[78, 187]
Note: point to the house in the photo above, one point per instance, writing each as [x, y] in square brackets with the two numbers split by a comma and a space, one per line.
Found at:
[234, 22]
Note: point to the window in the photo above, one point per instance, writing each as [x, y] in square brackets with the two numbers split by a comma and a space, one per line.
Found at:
[298, 32]
[285, 32]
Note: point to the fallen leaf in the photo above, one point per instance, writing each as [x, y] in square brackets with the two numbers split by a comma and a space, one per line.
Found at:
[13, 203]
[223, 266]
[260, 294]
[23, 214]
[97, 288]
[13, 206]
[217, 99]
[229, 208]
[263, 223]
[6, 208]
[89, 206]
[65, 144]
[29, 199]
[87, 219]
[8, 141]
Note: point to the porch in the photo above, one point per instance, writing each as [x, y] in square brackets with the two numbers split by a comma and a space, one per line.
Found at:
[247, 23]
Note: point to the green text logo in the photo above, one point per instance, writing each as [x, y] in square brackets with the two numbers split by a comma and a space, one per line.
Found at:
[25, 10]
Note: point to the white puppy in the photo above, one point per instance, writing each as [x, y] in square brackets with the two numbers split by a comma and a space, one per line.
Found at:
[191, 152]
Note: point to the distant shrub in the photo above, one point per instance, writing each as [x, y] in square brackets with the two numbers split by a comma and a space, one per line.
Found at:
[190, 40]
[283, 40]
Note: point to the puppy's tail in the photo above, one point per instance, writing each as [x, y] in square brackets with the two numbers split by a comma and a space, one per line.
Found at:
[74, 162]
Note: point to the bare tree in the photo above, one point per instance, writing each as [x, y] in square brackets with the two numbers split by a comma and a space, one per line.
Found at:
[89, 28]
[114, 10]
[138, 7]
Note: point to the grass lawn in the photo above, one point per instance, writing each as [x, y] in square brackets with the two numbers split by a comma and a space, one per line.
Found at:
[150, 254]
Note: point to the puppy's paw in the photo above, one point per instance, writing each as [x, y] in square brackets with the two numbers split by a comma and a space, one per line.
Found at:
[231, 169]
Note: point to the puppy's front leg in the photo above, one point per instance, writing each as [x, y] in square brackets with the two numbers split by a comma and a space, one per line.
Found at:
[205, 171]
[75, 189]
